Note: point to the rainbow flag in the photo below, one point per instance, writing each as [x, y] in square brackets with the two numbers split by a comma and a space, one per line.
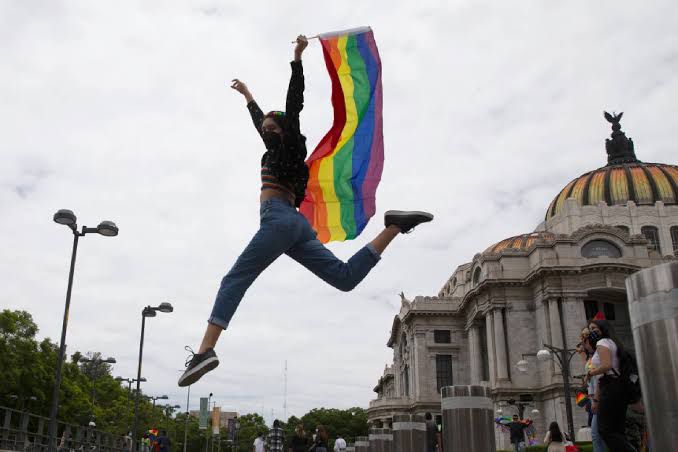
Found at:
[345, 168]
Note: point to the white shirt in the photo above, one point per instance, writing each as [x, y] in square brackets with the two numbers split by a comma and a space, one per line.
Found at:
[612, 347]
[258, 444]
[339, 445]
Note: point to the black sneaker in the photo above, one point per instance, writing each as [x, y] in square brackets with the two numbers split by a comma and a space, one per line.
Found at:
[197, 365]
[406, 220]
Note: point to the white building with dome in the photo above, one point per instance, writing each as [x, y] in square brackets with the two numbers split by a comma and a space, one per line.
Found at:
[537, 288]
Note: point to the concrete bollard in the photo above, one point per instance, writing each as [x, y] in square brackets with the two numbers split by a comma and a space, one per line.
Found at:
[350, 447]
[362, 444]
[653, 306]
[409, 433]
[381, 440]
[468, 421]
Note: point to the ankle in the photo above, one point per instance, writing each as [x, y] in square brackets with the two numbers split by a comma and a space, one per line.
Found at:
[394, 229]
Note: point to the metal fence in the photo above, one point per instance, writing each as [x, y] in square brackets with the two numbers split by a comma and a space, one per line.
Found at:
[23, 431]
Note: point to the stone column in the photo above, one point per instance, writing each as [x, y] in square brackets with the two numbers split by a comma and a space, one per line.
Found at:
[489, 326]
[475, 355]
[653, 306]
[556, 331]
[574, 319]
[500, 345]
[381, 440]
[419, 372]
[468, 421]
[362, 444]
[409, 433]
[554, 320]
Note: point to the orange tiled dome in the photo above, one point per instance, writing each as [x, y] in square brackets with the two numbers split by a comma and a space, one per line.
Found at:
[520, 242]
[642, 183]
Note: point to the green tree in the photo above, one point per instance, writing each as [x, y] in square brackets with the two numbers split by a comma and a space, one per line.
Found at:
[20, 365]
[251, 425]
[289, 427]
[27, 369]
[346, 423]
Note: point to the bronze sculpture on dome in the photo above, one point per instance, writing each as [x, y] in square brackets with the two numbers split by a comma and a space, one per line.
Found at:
[619, 148]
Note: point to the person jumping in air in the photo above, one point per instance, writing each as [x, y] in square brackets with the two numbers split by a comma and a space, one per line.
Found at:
[283, 230]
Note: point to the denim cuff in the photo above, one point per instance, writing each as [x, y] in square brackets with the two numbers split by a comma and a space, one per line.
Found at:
[373, 250]
[218, 322]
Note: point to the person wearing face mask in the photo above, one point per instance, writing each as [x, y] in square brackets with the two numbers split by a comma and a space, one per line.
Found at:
[609, 402]
[283, 229]
[592, 386]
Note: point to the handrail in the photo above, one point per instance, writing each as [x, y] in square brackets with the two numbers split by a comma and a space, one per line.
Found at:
[27, 432]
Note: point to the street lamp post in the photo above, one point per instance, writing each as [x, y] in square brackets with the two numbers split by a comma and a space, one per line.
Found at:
[94, 377]
[129, 392]
[520, 405]
[188, 399]
[21, 401]
[237, 431]
[154, 398]
[148, 311]
[105, 228]
[169, 410]
[129, 384]
[207, 437]
[563, 357]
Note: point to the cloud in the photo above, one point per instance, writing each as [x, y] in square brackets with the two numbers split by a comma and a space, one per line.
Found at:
[123, 113]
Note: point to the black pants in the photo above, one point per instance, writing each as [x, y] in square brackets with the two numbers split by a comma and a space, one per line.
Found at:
[612, 415]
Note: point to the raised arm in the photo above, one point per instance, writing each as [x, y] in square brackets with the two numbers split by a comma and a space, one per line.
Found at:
[295, 91]
[255, 112]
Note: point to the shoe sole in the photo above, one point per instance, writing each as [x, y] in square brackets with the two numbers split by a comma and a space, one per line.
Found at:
[198, 371]
[405, 213]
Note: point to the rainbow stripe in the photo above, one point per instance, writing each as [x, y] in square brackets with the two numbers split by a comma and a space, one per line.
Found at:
[345, 168]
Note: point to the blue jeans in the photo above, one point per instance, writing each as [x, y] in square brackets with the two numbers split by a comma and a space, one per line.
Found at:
[596, 439]
[283, 230]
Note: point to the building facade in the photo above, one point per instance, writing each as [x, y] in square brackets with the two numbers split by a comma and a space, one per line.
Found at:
[534, 289]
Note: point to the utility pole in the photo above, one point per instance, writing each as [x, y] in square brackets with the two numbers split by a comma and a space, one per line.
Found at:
[188, 413]
[285, 398]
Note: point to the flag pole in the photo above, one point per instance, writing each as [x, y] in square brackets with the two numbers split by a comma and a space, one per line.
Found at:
[312, 37]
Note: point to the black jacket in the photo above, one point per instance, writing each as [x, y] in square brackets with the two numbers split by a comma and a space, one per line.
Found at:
[287, 163]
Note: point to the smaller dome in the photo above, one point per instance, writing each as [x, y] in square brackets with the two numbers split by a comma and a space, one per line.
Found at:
[520, 242]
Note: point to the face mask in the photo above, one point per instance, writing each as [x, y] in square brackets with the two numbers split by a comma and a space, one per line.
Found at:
[594, 336]
[272, 140]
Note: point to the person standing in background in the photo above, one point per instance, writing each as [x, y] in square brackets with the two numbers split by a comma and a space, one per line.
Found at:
[299, 442]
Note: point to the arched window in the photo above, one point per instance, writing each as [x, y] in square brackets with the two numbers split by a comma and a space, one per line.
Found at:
[476, 276]
[674, 239]
[651, 233]
[599, 248]
[623, 228]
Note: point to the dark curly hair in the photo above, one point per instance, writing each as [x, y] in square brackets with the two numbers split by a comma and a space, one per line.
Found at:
[278, 117]
[606, 331]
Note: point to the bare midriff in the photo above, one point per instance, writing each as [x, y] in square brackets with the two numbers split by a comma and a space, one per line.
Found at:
[269, 193]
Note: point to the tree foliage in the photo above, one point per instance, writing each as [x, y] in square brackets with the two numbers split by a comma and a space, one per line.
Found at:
[27, 368]
[345, 423]
[251, 425]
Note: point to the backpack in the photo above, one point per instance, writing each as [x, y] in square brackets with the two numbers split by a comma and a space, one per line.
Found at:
[628, 375]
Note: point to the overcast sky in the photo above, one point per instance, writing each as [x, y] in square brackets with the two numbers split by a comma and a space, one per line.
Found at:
[121, 111]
